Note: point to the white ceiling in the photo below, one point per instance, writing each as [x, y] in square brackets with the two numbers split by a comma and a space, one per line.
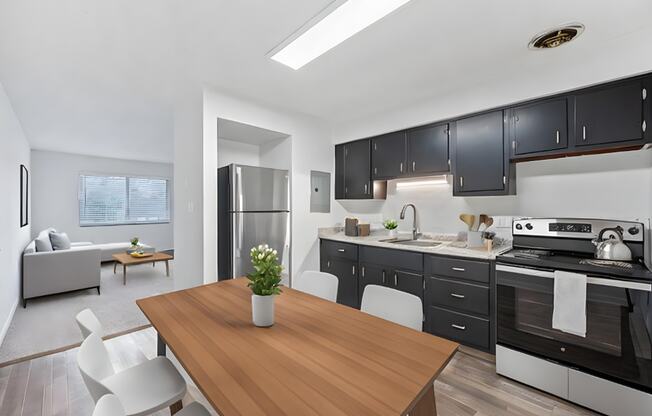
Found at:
[246, 133]
[97, 77]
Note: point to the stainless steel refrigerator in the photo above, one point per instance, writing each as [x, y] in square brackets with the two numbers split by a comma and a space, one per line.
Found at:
[253, 208]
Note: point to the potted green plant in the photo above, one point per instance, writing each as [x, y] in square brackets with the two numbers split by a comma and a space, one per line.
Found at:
[134, 242]
[265, 283]
[391, 225]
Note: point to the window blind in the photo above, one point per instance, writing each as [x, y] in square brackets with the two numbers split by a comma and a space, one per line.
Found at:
[115, 200]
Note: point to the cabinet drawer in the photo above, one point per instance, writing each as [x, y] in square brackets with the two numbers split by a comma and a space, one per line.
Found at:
[459, 327]
[476, 271]
[332, 249]
[397, 259]
[464, 297]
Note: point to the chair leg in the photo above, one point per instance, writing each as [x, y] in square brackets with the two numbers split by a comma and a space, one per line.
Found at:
[176, 407]
[98, 290]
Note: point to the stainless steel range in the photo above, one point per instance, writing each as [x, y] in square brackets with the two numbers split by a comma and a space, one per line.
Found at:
[610, 368]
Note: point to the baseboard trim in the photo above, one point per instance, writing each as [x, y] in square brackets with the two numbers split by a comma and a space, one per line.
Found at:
[69, 347]
[7, 324]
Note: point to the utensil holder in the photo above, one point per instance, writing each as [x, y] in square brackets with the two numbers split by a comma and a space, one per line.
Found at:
[474, 239]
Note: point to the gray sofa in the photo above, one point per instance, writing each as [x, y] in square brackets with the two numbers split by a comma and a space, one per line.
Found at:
[77, 268]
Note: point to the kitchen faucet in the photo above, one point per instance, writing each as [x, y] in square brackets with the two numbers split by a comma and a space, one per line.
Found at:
[415, 233]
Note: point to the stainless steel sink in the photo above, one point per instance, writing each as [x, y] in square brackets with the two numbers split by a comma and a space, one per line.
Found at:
[410, 242]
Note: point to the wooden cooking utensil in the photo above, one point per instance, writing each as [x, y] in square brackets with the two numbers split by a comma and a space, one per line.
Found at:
[468, 219]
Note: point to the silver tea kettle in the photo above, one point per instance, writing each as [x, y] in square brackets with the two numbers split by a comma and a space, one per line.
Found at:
[613, 248]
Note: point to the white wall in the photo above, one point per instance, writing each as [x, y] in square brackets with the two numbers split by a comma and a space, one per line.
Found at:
[14, 151]
[55, 186]
[230, 151]
[613, 185]
[310, 148]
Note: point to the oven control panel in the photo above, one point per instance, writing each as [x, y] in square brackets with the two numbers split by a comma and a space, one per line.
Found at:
[585, 229]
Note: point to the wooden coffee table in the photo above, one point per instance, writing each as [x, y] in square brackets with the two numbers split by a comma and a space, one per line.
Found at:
[127, 260]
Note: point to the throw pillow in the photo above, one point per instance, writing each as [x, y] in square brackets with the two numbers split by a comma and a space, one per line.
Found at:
[60, 241]
[43, 243]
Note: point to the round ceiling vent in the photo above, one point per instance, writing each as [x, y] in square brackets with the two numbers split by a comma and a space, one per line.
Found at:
[557, 36]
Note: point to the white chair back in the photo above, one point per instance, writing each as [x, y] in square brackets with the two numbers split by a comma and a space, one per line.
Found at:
[94, 364]
[323, 285]
[109, 405]
[89, 324]
[393, 305]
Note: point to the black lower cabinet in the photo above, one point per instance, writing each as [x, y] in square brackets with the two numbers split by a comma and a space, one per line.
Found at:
[341, 260]
[458, 299]
[456, 292]
[370, 274]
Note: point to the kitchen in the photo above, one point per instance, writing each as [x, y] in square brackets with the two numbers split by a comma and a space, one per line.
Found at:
[568, 159]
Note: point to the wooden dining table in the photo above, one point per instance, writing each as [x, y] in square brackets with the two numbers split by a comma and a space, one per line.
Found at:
[319, 358]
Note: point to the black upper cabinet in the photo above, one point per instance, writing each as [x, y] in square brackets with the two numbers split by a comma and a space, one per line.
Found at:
[388, 156]
[479, 155]
[539, 127]
[339, 171]
[610, 114]
[357, 170]
[427, 149]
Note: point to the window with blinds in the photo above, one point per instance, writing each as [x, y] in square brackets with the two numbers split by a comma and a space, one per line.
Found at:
[116, 200]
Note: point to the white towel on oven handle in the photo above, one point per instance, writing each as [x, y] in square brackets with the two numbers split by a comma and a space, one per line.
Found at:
[569, 310]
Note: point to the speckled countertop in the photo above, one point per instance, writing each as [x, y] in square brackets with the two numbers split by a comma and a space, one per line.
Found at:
[449, 244]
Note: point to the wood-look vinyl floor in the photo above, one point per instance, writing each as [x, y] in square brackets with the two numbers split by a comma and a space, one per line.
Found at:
[52, 386]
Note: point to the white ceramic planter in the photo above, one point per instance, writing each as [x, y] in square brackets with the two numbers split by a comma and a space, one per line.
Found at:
[393, 233]
[262, 310]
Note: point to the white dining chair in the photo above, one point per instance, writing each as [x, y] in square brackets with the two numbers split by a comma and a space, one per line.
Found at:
[393, 305]
[142, 389]
[109, 405]
[323, 285]
[89, 324]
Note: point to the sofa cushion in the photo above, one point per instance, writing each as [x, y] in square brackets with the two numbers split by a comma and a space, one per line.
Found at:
[43, 243]
[60, 241]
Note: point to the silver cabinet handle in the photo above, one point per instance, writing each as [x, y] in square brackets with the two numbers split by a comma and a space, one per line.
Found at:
[383, 276]
[365, 188]
[341, 250]
[457, 295]
[583, 132]
[461, 181]
[414, 166]
[362, 271]
[460, 327]
[557, 136]
[458, 269]
[328, 264]
[401, 167]
[375, 171]
[395, 280]
[353, 270]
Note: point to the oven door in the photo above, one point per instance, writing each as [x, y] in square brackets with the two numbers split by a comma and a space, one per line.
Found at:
[618, 342]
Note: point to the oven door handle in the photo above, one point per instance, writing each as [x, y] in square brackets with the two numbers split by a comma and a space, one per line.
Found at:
[624, 284]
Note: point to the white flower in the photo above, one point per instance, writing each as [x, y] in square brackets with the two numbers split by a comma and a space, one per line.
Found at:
[260, 256]
[253, 249]
[266, 246]
[274, 252]
[260, 247]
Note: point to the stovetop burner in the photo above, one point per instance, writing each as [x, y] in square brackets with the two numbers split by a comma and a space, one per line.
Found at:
[608, 263]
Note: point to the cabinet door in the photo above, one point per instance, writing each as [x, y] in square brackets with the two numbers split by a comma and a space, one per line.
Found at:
[347, 274]
[428, 150]
[357, 170]
[388, 156]
[479, 154]
[370, 275]
[609, 115]
[539, 127]
[407, 282]
[339, 172]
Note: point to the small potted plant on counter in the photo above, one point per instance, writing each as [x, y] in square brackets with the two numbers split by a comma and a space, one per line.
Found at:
[391, 225]
[265, 283]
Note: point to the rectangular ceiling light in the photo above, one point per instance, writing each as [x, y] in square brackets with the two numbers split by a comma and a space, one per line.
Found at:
[332, 29]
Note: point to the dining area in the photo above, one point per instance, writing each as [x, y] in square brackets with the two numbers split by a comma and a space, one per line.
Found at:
[315, 357]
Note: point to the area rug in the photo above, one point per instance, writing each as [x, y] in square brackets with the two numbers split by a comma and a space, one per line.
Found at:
[48, 323]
